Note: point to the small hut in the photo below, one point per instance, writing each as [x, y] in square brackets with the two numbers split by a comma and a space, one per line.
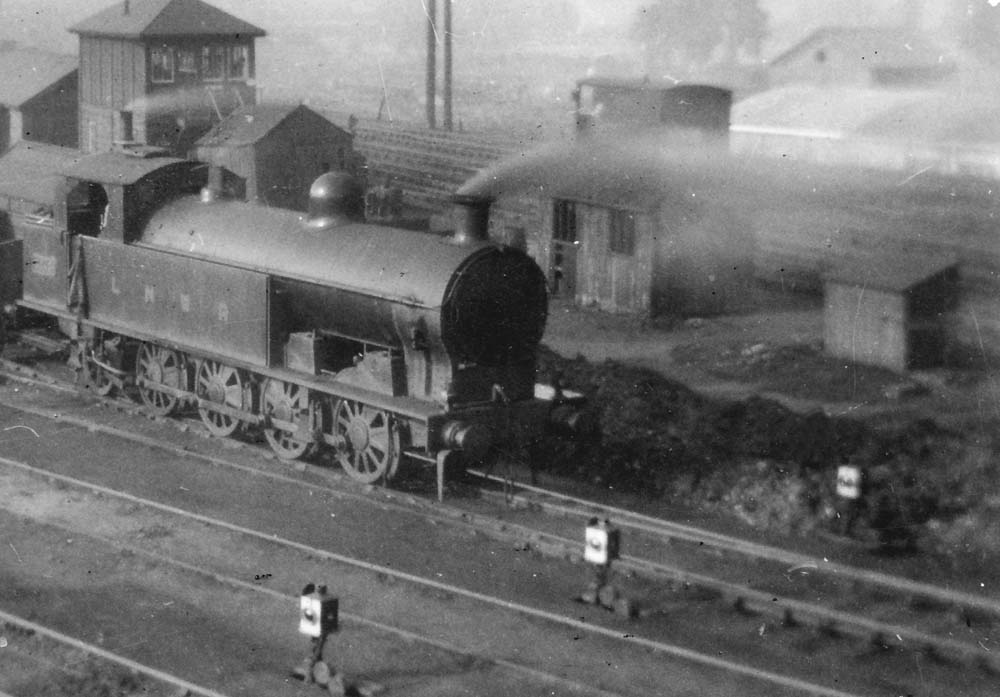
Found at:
[278, 150]
[892, 313]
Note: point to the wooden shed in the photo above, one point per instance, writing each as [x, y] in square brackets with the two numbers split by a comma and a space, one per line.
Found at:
[278, 150]
[892, 313]
[629, 232]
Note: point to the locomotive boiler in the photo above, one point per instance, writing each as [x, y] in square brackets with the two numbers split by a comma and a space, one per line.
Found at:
[325, 332]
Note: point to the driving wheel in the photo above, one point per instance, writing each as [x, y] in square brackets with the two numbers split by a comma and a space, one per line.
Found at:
[368, 440]
[163, 367]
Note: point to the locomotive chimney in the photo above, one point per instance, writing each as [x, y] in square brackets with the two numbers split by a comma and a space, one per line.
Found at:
[471, 215]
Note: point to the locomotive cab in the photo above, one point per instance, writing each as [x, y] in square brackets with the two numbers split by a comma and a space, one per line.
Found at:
[110, 195]
[87, 208]
[100, 198]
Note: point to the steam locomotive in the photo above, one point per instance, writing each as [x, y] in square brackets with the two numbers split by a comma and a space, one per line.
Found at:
[323, 331]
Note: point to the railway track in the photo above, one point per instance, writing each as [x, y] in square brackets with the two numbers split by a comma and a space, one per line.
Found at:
[539, 520]
[80, 661]
[217, 532]
[292, 553]
[917, 604]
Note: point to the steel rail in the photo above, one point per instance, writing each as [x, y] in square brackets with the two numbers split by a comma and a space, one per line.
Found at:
[578, 625]
[351, 617]
[106, 655]
[668, 529]
[743, 597]
[786, 610]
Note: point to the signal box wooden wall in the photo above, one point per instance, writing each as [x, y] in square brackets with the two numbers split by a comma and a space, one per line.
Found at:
[161, 72]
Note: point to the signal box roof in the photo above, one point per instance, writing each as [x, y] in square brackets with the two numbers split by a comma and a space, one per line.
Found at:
[144, 19]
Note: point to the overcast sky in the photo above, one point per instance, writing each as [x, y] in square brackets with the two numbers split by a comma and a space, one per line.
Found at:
[44, 22]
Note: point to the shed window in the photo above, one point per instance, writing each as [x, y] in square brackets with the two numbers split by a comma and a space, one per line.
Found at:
[213, 62]
[239, 62]
[564, 221]
[621, 231]
[162, 63]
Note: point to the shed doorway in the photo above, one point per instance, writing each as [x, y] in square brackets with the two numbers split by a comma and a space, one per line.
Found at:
[562, 262]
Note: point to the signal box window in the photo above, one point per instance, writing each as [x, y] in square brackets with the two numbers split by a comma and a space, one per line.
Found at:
[239, 63]
[162, 64]
[213, 62]
[621, 231]
[187, 62]
[564, 221]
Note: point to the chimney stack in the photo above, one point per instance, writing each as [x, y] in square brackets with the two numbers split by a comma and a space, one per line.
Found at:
[472, 218]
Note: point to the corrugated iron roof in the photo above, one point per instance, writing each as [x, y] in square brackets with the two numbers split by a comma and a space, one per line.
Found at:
[248, 124]
[28, 171]
[137, 19]
[26, 72]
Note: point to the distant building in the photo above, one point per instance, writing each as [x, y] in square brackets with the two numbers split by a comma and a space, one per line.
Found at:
[278, 150]
[161, 72]
[614, 106]
[861, 56]
[38, 96]
[943, 130]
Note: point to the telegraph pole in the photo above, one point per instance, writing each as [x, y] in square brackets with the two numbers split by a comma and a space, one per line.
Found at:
[447, 65]
[432, 40]
[431, 6]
